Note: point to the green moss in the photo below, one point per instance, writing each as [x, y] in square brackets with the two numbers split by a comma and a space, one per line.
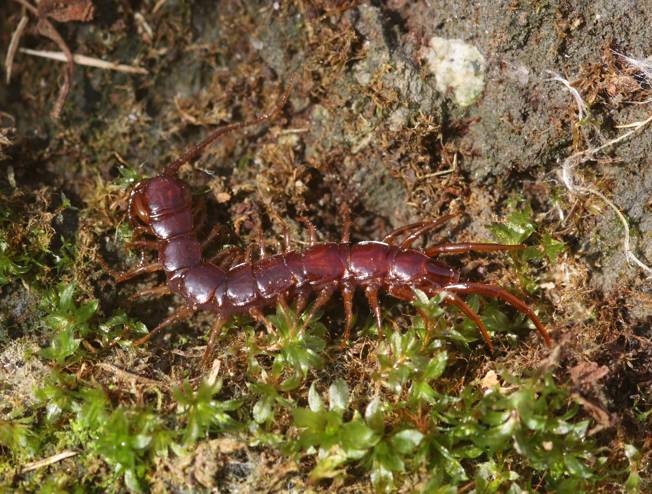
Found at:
[510, 437]
[520, 228]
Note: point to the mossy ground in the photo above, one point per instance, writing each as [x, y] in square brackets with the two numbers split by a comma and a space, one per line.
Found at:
[419, 408]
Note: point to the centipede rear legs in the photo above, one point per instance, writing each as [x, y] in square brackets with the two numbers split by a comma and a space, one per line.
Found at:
[415, 231]
[505, 296]
[452, 299]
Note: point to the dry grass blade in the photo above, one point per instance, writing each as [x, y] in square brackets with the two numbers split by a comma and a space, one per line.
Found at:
[35, 465]
[13, 45]
[626, 240]
[582, 109]
[84, 60]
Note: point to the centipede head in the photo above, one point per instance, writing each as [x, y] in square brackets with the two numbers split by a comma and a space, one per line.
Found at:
[162, 205]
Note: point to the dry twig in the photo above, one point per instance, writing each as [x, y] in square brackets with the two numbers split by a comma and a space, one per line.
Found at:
[129, 376]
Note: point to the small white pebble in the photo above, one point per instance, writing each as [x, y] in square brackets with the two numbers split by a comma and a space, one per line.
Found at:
[457, 66]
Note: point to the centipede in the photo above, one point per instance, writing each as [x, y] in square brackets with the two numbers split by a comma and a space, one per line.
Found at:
[229, 284]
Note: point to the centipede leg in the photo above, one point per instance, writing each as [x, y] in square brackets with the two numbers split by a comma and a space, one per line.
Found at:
[148, 268]
[212, 235]
[119, 277]
[452, 299]
[347, 297]
[301, 301]
[199, 216]
[470, 247]
[232, 260]
[248, 253]
[409, 240]
[371, 292]
[143, 244]
[282, 300]
[312, 231]
[285, 244]
[261, 242]
[286, 239]
[259, 317]
[324, 296]
[138, 229]
[179, 315]
[505, 296]
[157, 291]
[210, 346]
[346, 224]
[225, 254]
[389, 238]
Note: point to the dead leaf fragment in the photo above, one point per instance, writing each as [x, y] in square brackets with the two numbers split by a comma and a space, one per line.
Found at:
[66, 11]
[599, 414]
[489, 381]
[586, 373]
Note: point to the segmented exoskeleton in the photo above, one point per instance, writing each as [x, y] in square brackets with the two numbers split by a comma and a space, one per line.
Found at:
[162, 207]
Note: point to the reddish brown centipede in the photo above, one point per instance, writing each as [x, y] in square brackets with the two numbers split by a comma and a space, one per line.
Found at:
[162, 207]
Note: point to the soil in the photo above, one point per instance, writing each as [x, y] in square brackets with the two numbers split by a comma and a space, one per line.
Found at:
[366, 126]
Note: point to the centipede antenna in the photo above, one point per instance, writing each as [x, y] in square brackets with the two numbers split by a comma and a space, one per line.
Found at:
[194, 151]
